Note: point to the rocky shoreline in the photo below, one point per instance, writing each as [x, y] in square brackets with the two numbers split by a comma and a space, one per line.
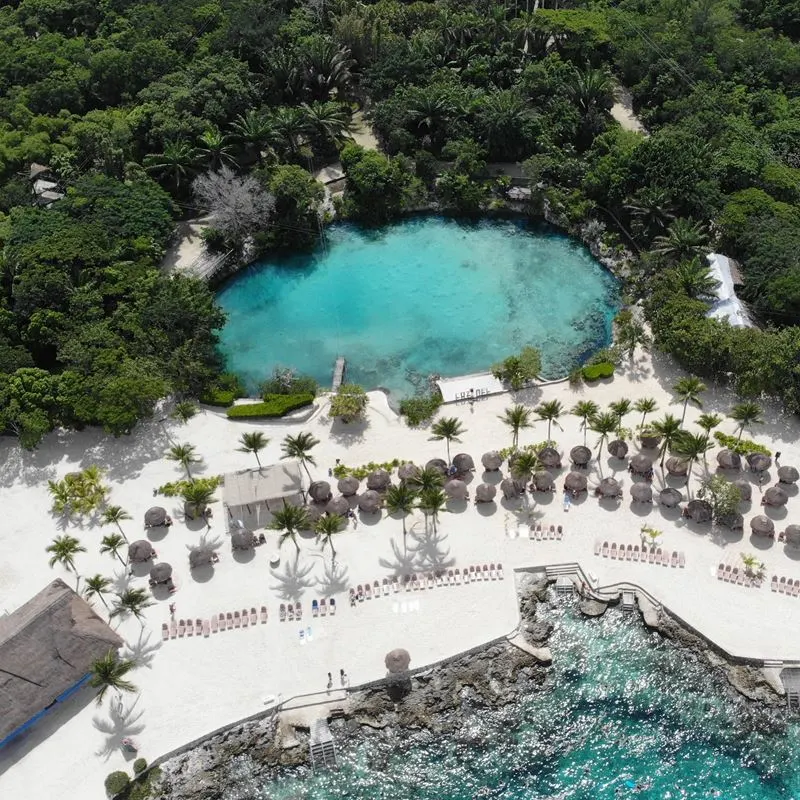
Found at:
[434, 702]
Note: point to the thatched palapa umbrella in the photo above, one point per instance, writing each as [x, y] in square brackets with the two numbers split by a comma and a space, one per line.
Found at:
[642, 492]
[677, 467]
[618, 449]
[734, 521]
[649, 441]
[699, 510]
[456, 490]
[370, 501]
[788, 475]
[320, 491]
[543, 481]
[745, 489]
[338, 505]
[438, 464]
[200, 556]
[140, 551]
[160, 573]
[580, 455]
[762, 526]
[348, 486]
[641, 464]
[155, 517]
[491, 461]
[792, 535]
[727, 459]
[550, 457]
[379, 481]
[575, 482]
[463, 463]
[407, 472]
[511, 488]
[758, 462]
[485, 493]
[397, 661]
[609, 487]
[670, 497]
[775, 496]
[242, 539]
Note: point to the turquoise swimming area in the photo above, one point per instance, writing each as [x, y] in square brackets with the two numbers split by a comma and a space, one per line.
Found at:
[425, 295]
[624, 714]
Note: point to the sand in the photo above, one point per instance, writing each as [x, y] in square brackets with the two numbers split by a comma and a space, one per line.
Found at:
[190, 687]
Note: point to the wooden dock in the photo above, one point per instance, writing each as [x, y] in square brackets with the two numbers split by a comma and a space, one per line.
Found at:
[339, 369]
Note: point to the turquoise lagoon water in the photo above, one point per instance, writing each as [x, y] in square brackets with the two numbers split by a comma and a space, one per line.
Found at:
[620, 707]
[425, 295]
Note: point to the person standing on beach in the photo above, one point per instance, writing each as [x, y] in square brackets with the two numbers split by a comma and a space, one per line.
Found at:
[330, 682]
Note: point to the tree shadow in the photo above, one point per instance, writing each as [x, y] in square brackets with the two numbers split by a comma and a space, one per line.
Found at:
[457, 506]
[244, 556]
[760, 542]
[347, 433]
[122, 723]
[142, 652]
[640, 509]
[294, 580]
[492, 477]
[334, 579]
[724, 536]
[429, 550]
[792, 552]
[486, 509]
[370, 518]
[403, 561]
[671, 514]
[775, 512]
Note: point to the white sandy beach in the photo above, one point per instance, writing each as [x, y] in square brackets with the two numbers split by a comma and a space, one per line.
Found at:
[189, 687]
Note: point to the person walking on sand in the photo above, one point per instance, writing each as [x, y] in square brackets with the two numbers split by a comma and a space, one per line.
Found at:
[330, 682]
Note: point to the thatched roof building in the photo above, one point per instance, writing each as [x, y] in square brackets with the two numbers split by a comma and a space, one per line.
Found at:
[670, 497]
[348, 486]
[699, 510]
[580, 455]
[406, 472]
[745, 489]
[618, 448]
[642, 492]
[200, 556]
[775, 496]
[543, 481]
[641, 464]
[788, 475]
[456, 490]
[485, 493]
[437, 464]
[491, 461]
[727, 459]
[155, 517]
[338, 505]
[678, 467]
[550, 457]
[379, 481]
[734, 521]
[463, 463]
[397, 660]
[140, 551]
[792, 534]
[370, 501]
[242, 540]
[609, 487]
[758, 462]
[47, 648]
[161, 573]
[511, 489]
[575, 482]
[762, 526]
[320, 491]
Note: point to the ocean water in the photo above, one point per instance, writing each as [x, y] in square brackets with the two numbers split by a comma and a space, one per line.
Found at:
[425, 295]
[624, 714]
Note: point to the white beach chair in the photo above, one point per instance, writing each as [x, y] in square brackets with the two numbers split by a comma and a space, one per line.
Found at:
[774, 584]
[597, 548]
[500, 572]
[263, 615]
[214, 624]
[682, 559]
[164, 631]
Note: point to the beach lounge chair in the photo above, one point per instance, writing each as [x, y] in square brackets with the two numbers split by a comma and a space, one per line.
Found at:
[314, 608]
[730, 573]
[353, 596]
[360, 593]
[537, 534]
[263, 615]
[376, 589]
[720, 571]
[221, 620]
[245, 618]
[298, 611]
[796, 590]
[559, 533]
[457, 575]
[650, 555]
[302, 636]
[552, 531]
[682, 559]
[367, 591]
[237, 618]
[735, 575]
[659, 556]
[395, 584]
[605, 549]
[492, 572]
[173, 629]
[190, 627]
[781, 586]
[289, 613]
[253, 615]
[500, 572]
[451, 578]
[597, 548]
[629, 552]
[214, 624]
[486, 572]
[323, 608]
[774, 583]
[181, 627]
[674, 560]
[332, 605]
[789, 585]
[613, 549]
[466, 575]
[164, 631]
[385, 586]
[206, 628]
[229, 621]
[471, 573]
[636, 552]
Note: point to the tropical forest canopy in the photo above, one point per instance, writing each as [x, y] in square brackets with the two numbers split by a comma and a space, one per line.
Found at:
[130, 103]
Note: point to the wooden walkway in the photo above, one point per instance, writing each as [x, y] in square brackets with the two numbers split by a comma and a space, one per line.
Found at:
[338, 373]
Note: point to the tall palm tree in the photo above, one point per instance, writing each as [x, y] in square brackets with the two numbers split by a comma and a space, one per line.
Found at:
[63, 550]
[252, 442]
[683, 240]
[109, 672]
[516, 417]
[215, 150]
[619, 408]
[115, 515]
[431, 503]
[502, 119]
[177, 161]
[524, 465]
[326, 68]
[256, 131]
[694, 278]
[691, 446]
[196, 497]
[645, 406]
[449, 429]
[425, 480]
[651, 210]
[299, 447]
[746, 414]
[709, 421]
[185, 455]
[401, 499]
[97, 586]
[131, 601]
[604, 423]
[290, 520]
[589, 89]
[113, 543]
[585, 409]
[550, 410]
[329, 121]
[290, 128]
[668, 428]
[688, 390]
[326, 528]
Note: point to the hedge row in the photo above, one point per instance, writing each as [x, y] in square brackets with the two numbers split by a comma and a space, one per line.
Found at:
[593, 372]
[743, 447]
[274, 405]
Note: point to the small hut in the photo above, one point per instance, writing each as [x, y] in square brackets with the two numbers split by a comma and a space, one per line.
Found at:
[320, 491]
[618, 449]
[642, 493]
[456, 490]
[511, 489]
[491, 461]
[160, 573]
[609, 487]
[379, 481]
[649, 440]
[407, 472]
[338, 505]
[775, 496]
[734, 521]
[155, 517]
[792, 535]
[575, 483]
[745, 489]
[242, 540]
[677, 467]
[698, 511]
[580, 456]
[370, 501]
[463, 463]
[485, 493]
[669, 497]
[758, 462]
[200, 556]
[641, 464]
[348, 486]
[788, 475]
[727, 459]
[550, 457]
[437, 464]
[543, 481]
[397, 661]
[140, 551]
[762, 526]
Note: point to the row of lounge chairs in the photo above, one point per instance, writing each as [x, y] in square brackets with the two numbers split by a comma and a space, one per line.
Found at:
[785, 585]
[732, 574]
[429, 580]
[542, 533]
[644, 555]
[205, 627]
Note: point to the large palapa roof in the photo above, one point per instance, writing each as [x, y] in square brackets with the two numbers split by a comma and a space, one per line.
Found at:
[270, 485]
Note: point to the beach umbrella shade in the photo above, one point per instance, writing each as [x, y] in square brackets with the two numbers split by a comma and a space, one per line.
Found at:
[379, 481]
[758, 462]
[407, 472]
[155, 517]
[699, 510]
[609, 487]
[140, 551]
[320, 491]
[550, 457]
[788, 475]
[463, 463]
[580, 455]
[775, 496]
[511, 488]
[200, 556]
[641, 464]
[575, 482]
[727, 459]
[642, 492]
[543, 481]
[338, 505]
[397, 660]
[762, 526]
[677, 467]
[618, 448]
[349, 486]
[161, 573]
[485, 493]
[745, 489]
[456, 490]
[370, 501]
[649, 441]
[438, 464]
[670, 497]
[491, 461]
[792, 534]
[242, 539]
[734, 521]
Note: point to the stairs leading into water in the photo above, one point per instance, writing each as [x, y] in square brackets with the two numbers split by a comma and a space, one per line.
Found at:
[628, 601]
[338, 373]
[322, 746]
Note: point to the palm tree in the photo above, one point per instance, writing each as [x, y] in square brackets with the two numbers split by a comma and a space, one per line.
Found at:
[326, 528]
[431, 503]
[517, 417]
[255, 130]
[252, 442]
[131, 601]
[449, 429]
[691, 446]
[688, 391]
[299, 447]
[329, 121]
[177, 161]
[524, 465]
[184, 411]
[502, 120]
[326, 68]
[683, 240]
[585, 409]
[709, 421]
[185, 455]
[619, 408]
[694, 278]
[651, 210]
[196, 498]
[113, 543]
[290, 127]
[63, 550]
[645, 406]
[668, 429]
[746, 414]
[589, 89]
[97, 586]
[216, 150]
[550, 410]
[426, 480]
[431, 114]
[605, 424]
[114, 515]
[290, 520]
[401, 499]
[109, 672]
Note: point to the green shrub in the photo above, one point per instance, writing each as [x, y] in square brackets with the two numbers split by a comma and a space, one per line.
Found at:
[274, 405]
[593, 372]
[227, 388]
[420, 408]
[218, 397]
[177, 488]
[286, 381]
[116, 782]
[743, 447]
[576, 377]
[140, 765]
[342, 471]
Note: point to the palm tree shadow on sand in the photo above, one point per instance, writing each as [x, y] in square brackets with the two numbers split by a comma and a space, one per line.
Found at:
[141, 652]
[403, 561]
[122, 723]
[429, 550]
[334, 579]
[294, 580]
